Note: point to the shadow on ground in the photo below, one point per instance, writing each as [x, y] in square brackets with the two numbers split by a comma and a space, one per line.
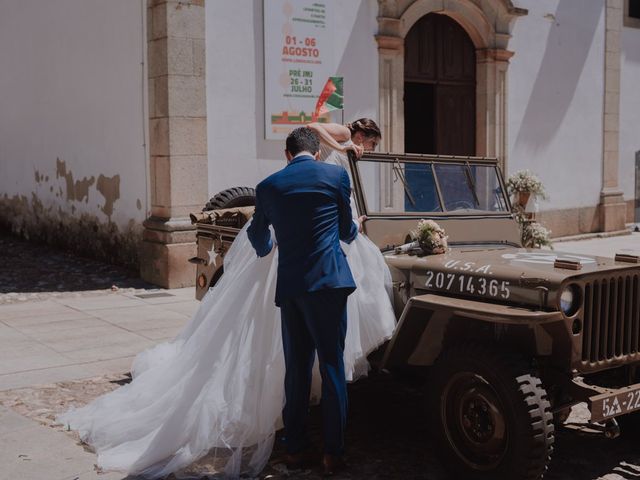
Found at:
[388, 438]
[28, 267]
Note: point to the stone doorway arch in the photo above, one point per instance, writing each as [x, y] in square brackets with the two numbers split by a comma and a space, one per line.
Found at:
[488, 23]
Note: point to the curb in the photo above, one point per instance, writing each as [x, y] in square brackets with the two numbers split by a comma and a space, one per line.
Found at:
[590, 236]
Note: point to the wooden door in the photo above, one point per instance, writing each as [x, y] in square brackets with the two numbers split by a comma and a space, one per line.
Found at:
[440, 88]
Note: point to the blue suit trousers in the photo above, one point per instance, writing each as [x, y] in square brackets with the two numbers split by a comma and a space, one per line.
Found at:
[315, 322]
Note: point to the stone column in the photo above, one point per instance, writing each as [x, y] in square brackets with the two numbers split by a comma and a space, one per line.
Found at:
[491, 103]
[391, 88]
[177, 137]
[391, 111]
[612, 206]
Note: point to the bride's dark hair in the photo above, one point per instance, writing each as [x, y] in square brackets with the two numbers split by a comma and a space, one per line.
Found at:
[365, 125]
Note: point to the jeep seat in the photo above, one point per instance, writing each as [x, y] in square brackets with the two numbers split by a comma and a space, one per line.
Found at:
[227, 217]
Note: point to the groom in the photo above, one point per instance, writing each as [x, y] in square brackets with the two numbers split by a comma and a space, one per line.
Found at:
[308, 204]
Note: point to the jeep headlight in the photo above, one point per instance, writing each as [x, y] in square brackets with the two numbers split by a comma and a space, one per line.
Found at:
[570, 300]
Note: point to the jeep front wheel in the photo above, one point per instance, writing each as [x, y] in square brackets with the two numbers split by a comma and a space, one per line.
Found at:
[491, 413]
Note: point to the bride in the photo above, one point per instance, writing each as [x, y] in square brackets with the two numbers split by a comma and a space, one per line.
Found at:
[210, 400]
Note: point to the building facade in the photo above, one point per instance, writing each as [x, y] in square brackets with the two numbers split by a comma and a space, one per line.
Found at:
[119, 118]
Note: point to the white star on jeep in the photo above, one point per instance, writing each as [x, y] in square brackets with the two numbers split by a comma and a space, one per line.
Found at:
[212, 255]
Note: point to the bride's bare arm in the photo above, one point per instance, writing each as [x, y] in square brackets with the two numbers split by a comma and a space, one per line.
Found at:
[331, 134]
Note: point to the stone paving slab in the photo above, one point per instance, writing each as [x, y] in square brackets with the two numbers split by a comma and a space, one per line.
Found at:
[108, 367]
[31, 356]
[64, 373]
[159, 334]
[184, 308]
[11, 421]
[62, 339]
[85, 337]
[10, 335]
[41, 376]
[109, 352]
[139, 317]
[29, 451]
[40, 310]
[34, 329]
[100, 302]
[68, 319]
[25, 317]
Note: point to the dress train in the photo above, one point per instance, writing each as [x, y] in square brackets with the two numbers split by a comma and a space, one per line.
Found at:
[210, 400]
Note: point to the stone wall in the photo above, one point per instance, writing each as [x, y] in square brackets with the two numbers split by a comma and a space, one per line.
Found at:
[73, 161]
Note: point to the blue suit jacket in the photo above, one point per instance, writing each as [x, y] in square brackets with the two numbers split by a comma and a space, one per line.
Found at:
[308, 204]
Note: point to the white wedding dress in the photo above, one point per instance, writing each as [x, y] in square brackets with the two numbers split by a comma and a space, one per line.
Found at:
[210, 400]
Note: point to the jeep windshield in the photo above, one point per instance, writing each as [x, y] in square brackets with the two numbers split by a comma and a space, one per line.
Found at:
[417, 185]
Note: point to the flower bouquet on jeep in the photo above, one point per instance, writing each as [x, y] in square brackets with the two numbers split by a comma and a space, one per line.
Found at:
[430, 237]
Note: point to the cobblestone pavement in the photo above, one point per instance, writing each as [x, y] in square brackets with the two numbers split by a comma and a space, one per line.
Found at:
[31, 272]
[387, 435]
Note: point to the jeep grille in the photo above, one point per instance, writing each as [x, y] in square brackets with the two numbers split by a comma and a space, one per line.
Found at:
[611, 318]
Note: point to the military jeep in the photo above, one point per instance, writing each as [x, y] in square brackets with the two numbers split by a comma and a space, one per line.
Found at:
[510, 338]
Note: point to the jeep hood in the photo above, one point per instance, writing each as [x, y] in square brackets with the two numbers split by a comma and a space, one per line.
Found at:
[502, 274]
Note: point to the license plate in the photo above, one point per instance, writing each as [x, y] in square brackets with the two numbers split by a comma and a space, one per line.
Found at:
[618, 402]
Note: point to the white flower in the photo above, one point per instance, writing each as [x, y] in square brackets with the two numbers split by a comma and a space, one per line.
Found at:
[526, 182]
[535, 235]
[430, 236]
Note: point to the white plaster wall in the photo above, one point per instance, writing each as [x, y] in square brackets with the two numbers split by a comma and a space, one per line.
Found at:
[556, 80]
[238, 153]
[71, 88]
[629, 109]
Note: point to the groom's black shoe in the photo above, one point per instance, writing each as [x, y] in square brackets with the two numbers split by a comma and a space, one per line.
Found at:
[332, 465]
[300, 460]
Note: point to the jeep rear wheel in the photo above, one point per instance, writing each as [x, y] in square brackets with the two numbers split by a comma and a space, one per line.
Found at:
[491, 413]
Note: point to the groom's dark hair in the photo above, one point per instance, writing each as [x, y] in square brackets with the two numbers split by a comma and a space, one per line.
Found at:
[302, 139]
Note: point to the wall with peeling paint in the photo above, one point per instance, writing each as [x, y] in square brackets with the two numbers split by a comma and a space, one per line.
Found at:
[73, 160]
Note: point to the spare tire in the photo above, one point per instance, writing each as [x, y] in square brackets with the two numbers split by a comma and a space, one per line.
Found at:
[231, 198]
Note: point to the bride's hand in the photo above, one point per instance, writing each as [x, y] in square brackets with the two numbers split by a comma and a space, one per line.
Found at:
[361, 220]
[358, 150]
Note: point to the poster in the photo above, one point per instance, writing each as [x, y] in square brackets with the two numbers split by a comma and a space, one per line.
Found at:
[298, 61]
